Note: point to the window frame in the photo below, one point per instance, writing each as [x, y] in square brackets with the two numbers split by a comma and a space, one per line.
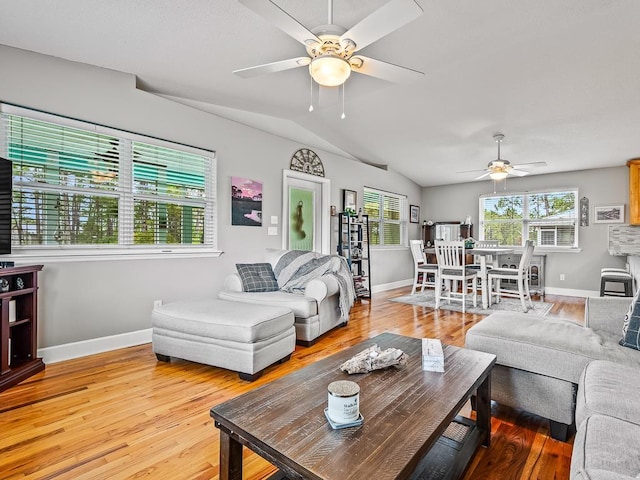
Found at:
[526, 221]
[83, 252]
[403, 222]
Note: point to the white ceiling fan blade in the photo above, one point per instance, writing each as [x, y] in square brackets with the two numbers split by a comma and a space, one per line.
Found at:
[383, 21]
[272, 67]
[518, 173]
[281, 19]
[384, 70]
[473, 171]
[486, 174]
[530, 165]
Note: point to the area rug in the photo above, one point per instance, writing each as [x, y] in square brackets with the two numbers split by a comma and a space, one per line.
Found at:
[427, 299]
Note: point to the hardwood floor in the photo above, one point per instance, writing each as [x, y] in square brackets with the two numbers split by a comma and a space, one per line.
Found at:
[122, 414]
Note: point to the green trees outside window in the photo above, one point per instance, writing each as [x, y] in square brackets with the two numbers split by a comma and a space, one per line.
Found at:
[387, 217]
[77, 187]
[548, 218]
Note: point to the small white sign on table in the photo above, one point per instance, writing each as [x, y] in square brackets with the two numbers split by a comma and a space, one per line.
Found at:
[432, 355]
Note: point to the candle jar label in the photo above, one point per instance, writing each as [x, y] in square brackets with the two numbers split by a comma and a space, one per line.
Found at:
[344, 401]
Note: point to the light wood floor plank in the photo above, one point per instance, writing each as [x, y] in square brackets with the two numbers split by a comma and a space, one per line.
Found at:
[124, 415]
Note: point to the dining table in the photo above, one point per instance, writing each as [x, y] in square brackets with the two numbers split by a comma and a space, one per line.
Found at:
[484, 254]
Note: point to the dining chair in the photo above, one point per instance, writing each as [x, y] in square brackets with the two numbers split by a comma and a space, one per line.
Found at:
[422, 267]
[452, 268]
[488, 262]
[520, 274]
[485, 244]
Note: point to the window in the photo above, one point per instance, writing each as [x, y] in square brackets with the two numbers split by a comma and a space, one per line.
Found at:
[548, 218]
[78, 185]
[388, 217]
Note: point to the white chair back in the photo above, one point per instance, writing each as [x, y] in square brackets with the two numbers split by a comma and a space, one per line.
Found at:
[450, 254]
[527, 254]
[486, 243]
[519, 274]
[417, 251]
[452, 269]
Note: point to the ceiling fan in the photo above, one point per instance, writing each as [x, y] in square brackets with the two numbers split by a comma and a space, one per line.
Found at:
[500, 168]
[331, 48]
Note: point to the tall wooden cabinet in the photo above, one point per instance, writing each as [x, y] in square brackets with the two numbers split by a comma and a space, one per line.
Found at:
[353, 244]
[445, 231]
[18, 324]
[634, 191]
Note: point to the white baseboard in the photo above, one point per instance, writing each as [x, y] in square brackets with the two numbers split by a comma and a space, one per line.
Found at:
[68, 351]
[570, 292]
[390, 286]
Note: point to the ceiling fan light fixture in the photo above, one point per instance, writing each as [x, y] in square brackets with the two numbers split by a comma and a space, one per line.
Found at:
[499, 175]
[329, 70]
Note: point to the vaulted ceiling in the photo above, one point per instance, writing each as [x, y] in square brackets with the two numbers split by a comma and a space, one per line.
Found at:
[561, 79]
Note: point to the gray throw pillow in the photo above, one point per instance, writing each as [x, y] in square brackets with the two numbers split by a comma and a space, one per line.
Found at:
[631, 329]
[257, 277]
[627, 317]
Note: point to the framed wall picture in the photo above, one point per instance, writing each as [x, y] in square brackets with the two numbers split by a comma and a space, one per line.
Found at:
[608, 214]
[349, 200]
[246, 202]
[414, 213]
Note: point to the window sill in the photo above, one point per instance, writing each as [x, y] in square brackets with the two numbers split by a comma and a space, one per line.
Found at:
[388, 247]
[42, 255]
[544, 250]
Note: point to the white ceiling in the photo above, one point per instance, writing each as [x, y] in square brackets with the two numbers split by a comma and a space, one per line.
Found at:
[561, 79]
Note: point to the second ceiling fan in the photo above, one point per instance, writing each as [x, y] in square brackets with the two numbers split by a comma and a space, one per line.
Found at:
[331, 48]
[500, 168]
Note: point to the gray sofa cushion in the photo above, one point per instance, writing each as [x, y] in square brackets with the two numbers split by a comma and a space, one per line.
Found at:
[223, 320]
[606, 448]
[610, 389]
[302, 306]
[546, 345]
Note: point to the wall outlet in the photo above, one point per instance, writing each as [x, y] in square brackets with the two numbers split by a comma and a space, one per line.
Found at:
[157, 303]
[562, 277]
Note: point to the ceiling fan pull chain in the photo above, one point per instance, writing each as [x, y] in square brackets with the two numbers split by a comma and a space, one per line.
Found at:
[311, 94]
[343, 116]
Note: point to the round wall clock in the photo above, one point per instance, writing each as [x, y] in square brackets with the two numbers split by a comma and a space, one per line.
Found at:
[307, 161]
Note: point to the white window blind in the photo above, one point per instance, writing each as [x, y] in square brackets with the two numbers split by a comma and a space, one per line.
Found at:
[79, 185]
[388, 217]
[549, 218]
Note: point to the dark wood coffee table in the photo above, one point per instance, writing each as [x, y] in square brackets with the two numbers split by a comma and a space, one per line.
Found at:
[412, 427]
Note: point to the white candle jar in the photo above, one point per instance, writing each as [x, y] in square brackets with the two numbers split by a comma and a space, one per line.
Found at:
[344, 401]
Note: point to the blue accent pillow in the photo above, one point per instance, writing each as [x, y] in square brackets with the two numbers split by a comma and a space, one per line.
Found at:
[631, 328]
[257, 277]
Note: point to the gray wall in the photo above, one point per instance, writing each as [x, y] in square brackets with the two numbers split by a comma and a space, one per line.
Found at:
[582, 269]
[91, 299]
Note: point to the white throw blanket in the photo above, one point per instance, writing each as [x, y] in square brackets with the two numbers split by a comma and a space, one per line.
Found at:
[296, 268]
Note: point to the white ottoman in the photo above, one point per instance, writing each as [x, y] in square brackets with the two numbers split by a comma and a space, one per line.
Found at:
[242, 337]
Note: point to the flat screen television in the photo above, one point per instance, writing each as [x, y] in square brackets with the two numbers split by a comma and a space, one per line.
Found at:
[6, 183]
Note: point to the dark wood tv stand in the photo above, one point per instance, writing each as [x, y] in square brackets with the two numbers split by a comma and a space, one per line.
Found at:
[19, 325]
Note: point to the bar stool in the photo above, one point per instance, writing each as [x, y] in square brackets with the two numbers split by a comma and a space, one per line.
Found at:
[616, 275]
